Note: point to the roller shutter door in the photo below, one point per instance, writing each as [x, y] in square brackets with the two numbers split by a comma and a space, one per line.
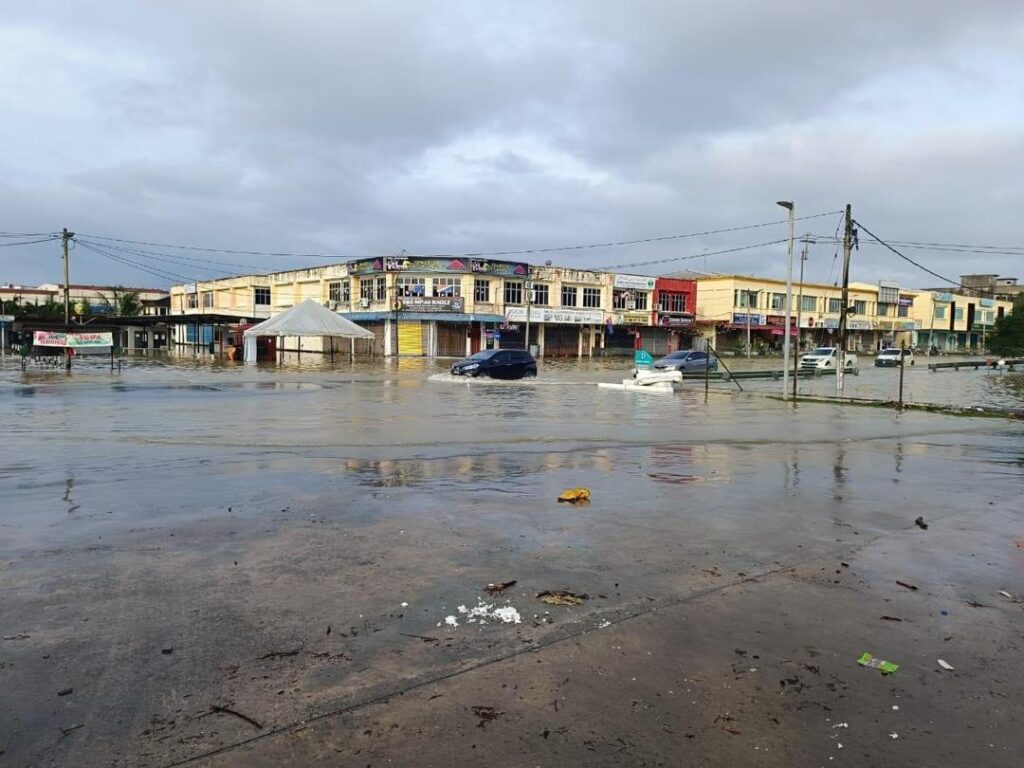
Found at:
[451, 340]
[561, 340]
[410, 338]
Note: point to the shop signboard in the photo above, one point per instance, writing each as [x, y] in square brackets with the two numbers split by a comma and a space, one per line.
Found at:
[742, 318]
[860, 325]
[945, 298]
[987, 302]
[634, 282]
[427, 264]
[551, 315]
[633, 318]
[906, 301]
[430, 304]
[72, 340]
[675, 321]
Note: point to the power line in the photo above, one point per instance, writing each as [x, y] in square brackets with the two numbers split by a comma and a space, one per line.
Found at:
[157, 272]
[182, 260]
[922, 267]
[611, 267]
[521, 252]
[30, 242]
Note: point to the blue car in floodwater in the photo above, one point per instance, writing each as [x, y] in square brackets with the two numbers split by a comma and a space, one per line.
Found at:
[687, 361]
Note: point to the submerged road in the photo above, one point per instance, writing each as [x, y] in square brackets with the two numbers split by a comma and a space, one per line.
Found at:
[229, 567]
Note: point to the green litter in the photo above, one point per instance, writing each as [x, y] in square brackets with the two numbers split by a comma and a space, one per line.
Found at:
[887, 667]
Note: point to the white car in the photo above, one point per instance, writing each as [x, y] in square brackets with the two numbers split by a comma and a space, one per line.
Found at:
[890, 357]
[824, 359]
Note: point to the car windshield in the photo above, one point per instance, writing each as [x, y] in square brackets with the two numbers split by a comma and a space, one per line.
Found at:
[822, 351]
[891, 352]
[483, 354]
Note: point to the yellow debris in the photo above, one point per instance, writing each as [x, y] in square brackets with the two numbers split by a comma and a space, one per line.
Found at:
[574, 495]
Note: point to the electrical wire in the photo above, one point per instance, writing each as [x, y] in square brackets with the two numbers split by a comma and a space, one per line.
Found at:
[29, 242]
[671, 259]
[521, 252]
[920, 266]
[157, 272]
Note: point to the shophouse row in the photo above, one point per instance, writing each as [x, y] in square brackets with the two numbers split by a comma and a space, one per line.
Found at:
[453, 307]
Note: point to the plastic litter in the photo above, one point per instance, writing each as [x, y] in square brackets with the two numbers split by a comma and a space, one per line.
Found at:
[886, 667]
[945, 665]
[575, 495]
[497, 587]
[920, 523]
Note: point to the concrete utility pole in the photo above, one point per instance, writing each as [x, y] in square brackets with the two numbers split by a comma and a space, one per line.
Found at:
[529, 303]
[843, 310]
[800, 310]
[66, 238]
[786, 336]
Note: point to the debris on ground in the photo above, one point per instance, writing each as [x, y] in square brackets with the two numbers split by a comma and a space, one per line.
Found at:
[945, 665]
[575, 495]
[1002, 592]
[65, 691]
[920, 523]
[167, 651]
[497, 587]
[486, 715]
[891, 618]
[561, 597]
[215, 708]
[907, 585]
[71, 729]
[886, 667]
[483, 612]
[17, 637]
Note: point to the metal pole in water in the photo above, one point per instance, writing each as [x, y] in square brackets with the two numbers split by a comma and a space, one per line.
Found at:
[707, 365]
[903, 352]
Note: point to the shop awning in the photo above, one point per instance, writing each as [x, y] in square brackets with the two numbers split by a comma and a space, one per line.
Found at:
[780, 332]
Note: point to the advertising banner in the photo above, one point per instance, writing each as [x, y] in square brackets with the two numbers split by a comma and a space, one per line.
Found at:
[72, 340]
[430, 304]
[635, 282]
[549, 315]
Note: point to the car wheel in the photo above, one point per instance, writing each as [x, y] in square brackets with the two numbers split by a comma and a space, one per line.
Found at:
[531, 373]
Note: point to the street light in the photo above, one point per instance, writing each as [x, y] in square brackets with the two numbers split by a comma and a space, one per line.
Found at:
[788, 205]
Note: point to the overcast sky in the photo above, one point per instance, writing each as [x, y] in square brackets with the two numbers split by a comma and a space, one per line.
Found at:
[357, 129]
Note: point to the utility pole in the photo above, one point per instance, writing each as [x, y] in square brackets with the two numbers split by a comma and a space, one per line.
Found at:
[529, 303]
[843, 310]
[799, 311]
[67, 288]
[787, 335]
[66, 238]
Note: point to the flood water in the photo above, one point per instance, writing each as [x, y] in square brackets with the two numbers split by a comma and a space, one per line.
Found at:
[184, 534]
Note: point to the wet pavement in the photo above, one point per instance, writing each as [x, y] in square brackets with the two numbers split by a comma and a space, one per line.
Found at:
[239, 566]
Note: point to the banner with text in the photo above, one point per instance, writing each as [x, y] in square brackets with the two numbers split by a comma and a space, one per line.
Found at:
[73, 340]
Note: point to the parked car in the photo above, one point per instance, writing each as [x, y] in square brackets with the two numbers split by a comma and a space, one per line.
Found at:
[890, 357]
[824, 358]
[687, 361]
[498, 364]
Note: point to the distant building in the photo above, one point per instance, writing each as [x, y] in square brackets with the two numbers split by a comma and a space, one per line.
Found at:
[991, 286]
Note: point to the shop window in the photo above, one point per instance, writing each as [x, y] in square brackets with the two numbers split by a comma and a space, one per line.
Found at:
[808, 303]
[366, 289]
[513, 292]
[940, 313]
[541, 294]
[381, 284]
[884, 309]
[903, 311]
[958, 314]
[672, 302]
[592, 297]
[411, 286]
[193, 301]
[745, 299]
[568, 296]
[860, 307]
[207, 299]
[619, 299]
[835, 306]
[641, 299]
[482, 291]
[448, 287]
[261, 297]
[339, 291]
[778, 301]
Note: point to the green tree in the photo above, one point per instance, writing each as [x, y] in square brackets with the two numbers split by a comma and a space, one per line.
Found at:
[1008, 336]
[122, 302]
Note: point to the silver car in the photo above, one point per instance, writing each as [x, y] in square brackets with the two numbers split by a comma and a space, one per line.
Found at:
[687, 361]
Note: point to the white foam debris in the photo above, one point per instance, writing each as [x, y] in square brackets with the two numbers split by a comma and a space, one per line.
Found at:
[405, 605]
[484, 611]
[894, 735]
[604, 624]
[451, 621]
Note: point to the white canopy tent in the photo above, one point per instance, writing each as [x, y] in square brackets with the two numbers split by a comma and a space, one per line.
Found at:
[308, 318]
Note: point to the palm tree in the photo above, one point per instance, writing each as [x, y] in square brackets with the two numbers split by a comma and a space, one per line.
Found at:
[122, 302]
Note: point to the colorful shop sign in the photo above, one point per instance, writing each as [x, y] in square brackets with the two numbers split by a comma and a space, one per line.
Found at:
[675, 321]
[72, 340]
[428, 264]
[741, 318]
[633, 318]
